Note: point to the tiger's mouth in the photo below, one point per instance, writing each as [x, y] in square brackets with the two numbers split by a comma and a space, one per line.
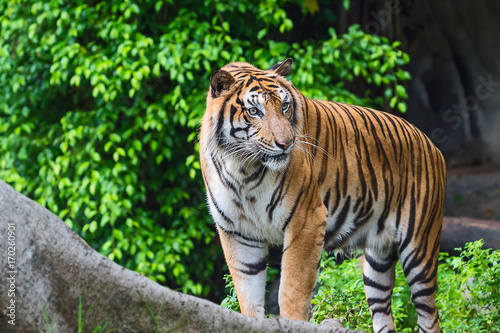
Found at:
[273, 158]
[275, 161]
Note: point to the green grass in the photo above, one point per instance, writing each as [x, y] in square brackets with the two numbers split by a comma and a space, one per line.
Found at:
[82, 318]
[49, 321]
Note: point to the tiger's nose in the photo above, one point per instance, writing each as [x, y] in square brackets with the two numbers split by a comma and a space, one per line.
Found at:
[284, 145]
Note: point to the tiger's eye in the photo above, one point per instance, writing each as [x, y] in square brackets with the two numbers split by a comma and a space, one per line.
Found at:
[252, 111]
[285, 107]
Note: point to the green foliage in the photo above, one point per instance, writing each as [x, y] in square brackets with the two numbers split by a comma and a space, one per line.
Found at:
[468, 294]
[100, 103]
[469, 290]
[47, 320]
[324, 71]
[231, 301]
[341, 295]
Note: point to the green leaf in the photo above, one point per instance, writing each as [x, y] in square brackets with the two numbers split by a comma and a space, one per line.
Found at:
[93, 226]
[402, 107]
[393, 101]
[118, 235]
[346, 4]
[261, 34]
[115, 137]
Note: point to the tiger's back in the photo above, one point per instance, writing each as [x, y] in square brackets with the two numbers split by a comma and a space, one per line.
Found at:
[370, 166]
[283, 168]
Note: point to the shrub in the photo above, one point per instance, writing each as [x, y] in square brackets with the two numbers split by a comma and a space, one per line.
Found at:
[341, 295]
[469, 290]
[468, 295]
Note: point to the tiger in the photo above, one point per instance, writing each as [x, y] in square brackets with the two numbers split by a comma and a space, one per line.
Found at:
[311, 175]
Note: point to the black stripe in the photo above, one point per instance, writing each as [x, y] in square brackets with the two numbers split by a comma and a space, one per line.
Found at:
[264, 172]
[378, 266]
[254, 268]
[370, 283]
[424, 307]
[389, 193]
[408, 258]
[292, 211]
[276, 197]
[224, 216]
[318, 124]
[250, 80]
[337, 194]
[293, 118]
[374, 300]
[232, 232]
[221, 140]
[342, 216]
[362, 220]
[236, 129]
[346, 171]
[384, 309]
[357, 204]
[361, 175]
[429, 271]
[352, 126]
[326, 200]
[363, 116]
[369, 204]
[373, 176]
[224, 180]
[424, 292]
[395, 130]
[249, 245]
[254, 175]
[411, 222]
[398, 216]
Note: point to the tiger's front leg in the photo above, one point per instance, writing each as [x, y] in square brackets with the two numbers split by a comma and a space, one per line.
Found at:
[247, 262]
[304, 237]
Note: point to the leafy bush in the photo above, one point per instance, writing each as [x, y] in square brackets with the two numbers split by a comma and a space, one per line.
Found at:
[468, 295]
[100, 103]
[469, 290]
[341, 295]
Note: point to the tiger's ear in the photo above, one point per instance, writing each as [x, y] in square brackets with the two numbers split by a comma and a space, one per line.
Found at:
[283, 68]
[220, 81]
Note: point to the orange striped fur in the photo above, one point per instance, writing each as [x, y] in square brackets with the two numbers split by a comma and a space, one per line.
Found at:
[280, 168]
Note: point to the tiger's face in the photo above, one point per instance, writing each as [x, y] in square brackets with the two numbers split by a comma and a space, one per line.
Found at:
[264, 125]
[257, 122]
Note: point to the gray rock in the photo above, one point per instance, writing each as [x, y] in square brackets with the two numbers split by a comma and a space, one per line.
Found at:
[54, 268]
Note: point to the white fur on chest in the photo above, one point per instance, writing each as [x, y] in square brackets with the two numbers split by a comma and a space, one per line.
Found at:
[248, 209]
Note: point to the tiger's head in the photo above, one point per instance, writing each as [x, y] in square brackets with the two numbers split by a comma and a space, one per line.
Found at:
[254, 114]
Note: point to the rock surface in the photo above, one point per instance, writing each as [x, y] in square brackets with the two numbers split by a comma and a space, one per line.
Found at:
[454, 94]
[473, 192]
[54, 268]
[460, 230]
